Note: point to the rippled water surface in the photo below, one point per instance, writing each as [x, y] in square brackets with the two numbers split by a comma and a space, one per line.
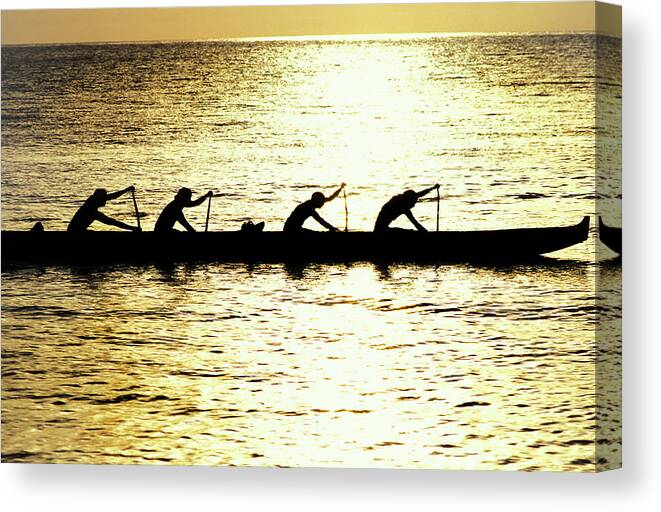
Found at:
[361, 365]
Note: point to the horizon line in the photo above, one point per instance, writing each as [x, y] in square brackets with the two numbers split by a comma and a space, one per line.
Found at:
[319, 37]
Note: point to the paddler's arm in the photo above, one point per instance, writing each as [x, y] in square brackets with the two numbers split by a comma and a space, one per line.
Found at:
[201, 199]
[113, 222]
[413, 220]
[321, 221]
[182, 220]
[427, 190]
[336, 193]
[119, 193]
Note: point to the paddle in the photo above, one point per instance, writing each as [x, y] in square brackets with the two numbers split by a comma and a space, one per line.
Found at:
[438, 207]
[346, 211]
[206, 225]
[135, 206]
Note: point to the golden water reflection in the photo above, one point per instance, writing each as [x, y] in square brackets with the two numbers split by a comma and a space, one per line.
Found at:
[335, 366]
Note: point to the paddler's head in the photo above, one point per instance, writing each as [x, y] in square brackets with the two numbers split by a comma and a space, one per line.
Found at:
[99, 197]
[410, 198]
[185, 195]
[318, 199]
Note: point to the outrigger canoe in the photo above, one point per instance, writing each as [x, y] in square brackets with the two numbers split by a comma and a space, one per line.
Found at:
[96, 247]
[611, 237]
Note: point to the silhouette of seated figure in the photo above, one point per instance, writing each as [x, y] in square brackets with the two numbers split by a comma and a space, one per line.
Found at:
[89, 211]
[174, 211]
[251, 227]
[401, 204]
[308, 209]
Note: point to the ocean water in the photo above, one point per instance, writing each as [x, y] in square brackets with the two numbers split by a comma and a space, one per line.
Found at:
[434, 366]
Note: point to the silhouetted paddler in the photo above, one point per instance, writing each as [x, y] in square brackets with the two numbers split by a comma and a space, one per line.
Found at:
[89, 211]
[309, 209]
[174, 211]
[401, 204]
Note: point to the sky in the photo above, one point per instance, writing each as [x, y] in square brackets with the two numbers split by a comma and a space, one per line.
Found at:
[195, 23]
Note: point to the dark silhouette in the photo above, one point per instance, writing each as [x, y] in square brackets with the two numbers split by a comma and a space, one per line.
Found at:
[174, 211]
[309, 209]
[610, 236]
[401, 205]
[89, 211]
[251, 227]
[504, 247]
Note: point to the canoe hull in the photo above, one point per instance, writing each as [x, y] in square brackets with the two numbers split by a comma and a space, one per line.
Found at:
[406, 246]
[611, 237]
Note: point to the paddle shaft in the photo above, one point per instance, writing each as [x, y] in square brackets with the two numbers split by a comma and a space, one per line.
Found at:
[438, 208]
[135, 205]
[346, 212]
[206, 225]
